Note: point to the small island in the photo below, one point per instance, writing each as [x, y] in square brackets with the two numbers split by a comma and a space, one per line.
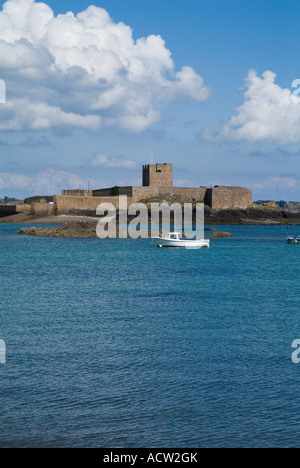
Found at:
[87, 230]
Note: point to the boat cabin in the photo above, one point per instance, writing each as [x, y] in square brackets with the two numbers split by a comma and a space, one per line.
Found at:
[173, 236]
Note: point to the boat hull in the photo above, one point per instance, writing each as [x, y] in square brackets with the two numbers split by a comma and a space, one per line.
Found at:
[182, 243]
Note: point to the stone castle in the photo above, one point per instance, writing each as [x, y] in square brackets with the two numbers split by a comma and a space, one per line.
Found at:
[157, 184]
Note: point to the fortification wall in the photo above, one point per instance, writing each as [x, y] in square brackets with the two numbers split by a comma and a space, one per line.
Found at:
[78, 193]
[108, 192]
[65, 203]
[23, 208]
[187, 194]
[218, 198]
[222, 198]
[9, 209]
[42, 209]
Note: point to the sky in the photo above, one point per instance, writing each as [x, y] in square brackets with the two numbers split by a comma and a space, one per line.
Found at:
[95, 89]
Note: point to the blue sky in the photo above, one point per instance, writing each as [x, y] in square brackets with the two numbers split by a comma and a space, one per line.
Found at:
[206, 85]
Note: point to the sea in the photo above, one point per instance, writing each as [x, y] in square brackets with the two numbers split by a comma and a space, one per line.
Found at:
[115, 343]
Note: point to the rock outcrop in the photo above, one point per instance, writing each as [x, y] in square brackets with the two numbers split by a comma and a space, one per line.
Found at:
[86, 229]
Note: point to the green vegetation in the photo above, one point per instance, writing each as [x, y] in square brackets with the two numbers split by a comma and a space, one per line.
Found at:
[116, 191]
[7, 200]
[196, 202]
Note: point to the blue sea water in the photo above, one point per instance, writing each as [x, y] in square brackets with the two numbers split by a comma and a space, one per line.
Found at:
[114, 343]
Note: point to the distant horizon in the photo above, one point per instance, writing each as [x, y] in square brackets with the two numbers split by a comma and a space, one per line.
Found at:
[47, 195]
[140, 81]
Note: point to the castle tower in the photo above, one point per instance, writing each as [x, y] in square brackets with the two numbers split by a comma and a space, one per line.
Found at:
[158, 175]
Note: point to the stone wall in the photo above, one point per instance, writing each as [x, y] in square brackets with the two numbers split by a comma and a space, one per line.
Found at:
[42, 209]
[187, 194]
[108, 192]
[217, 198]
[222, 198]
[78, 193]
[23, 208]
[65, 203]
[9, 209]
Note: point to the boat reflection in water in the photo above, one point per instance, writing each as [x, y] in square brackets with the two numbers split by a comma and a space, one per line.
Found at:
[293, 240]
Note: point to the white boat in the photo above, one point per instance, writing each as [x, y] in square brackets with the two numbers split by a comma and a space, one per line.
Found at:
[173, 240]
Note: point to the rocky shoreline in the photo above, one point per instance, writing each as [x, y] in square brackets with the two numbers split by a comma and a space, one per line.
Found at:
[264, 214]
[82, 224]
[256, 215]
[87, 230]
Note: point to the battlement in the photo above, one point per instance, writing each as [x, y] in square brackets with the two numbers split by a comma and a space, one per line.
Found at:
[78, 193]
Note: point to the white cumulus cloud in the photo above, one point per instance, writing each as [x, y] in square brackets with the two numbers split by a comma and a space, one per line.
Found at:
[85, 71]
[49, 181]
[114, 162]
[268, 113]
[275, 183]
